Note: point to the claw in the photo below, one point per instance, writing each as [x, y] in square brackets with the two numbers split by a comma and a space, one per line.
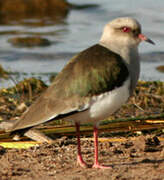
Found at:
[98, 166]
[81, 162]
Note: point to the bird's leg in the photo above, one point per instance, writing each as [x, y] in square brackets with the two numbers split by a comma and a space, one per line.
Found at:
[80, 160]
[96, 163]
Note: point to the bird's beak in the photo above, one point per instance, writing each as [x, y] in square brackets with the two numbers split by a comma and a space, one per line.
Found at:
[144, 38]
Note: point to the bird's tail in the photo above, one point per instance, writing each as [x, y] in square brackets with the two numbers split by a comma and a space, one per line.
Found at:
[7, 126]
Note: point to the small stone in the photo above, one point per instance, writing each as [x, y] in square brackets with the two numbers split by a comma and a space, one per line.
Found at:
[2, 150]
[22, 107]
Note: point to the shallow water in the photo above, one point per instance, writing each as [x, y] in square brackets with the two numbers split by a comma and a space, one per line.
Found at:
[81, 29]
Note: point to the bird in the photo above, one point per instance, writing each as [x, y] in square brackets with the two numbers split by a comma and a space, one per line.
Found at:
[94, 84]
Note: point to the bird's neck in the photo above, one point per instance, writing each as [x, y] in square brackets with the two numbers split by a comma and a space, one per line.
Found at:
[128, 53]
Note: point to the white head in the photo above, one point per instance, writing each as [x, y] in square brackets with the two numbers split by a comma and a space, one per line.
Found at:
[123, 32]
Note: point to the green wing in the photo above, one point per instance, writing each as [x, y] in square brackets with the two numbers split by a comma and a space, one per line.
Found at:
[92, 72]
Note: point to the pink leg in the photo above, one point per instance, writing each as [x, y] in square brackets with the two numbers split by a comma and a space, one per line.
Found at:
[80, 160]
[96, 163]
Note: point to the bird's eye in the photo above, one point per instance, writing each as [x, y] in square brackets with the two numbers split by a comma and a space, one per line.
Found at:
[126, 29]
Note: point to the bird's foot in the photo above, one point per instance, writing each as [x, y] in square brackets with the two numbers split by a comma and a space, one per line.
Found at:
[98, 166]
[81, 162]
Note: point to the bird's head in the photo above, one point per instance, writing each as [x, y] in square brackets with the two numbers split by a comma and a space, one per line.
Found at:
[123, 31]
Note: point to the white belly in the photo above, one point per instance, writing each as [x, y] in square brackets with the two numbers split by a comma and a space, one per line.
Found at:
[102, 106]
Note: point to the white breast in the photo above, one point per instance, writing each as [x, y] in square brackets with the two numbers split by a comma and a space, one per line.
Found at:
[107, 103]
[102, 106]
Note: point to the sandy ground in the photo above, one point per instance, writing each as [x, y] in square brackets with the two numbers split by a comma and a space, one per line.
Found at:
[140, 158]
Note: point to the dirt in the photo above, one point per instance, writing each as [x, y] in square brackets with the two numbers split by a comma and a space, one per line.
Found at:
[140, 158]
